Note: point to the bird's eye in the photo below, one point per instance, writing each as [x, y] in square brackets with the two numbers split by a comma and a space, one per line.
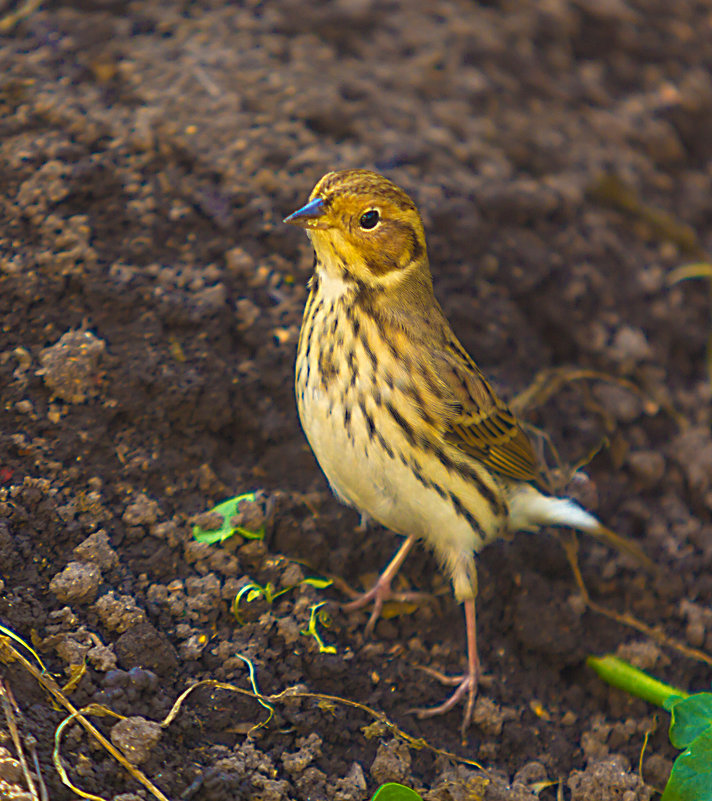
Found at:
[369, 219]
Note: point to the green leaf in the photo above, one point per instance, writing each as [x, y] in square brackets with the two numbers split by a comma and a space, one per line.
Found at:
[690, 726]
[625, 677]
[395, 792]
[690, 718]
[318, 584]
[250, 535]
[691, 777]
[218, 535]
[228, 509]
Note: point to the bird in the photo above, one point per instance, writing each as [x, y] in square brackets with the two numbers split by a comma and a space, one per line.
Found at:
[402, 422]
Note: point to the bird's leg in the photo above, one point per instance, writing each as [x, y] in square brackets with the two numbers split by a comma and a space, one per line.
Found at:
[467, 684]
[381, 590]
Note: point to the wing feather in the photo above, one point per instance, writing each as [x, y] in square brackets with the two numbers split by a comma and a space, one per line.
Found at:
[480, 424]
[464, 410]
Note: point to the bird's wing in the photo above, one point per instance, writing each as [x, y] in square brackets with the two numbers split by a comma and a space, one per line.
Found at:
[494, 437]
[480, 423]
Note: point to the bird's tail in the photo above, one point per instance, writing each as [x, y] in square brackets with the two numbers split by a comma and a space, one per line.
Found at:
[530, 508]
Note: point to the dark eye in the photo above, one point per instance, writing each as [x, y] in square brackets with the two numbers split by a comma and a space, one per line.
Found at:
[369, 219]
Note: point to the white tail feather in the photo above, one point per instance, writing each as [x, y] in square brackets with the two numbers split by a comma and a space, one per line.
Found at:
[530, 509]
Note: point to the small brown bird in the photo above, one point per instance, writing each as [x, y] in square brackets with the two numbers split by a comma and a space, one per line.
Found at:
[400, 418]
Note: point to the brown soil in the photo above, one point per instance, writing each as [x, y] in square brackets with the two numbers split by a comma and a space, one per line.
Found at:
[150, 301]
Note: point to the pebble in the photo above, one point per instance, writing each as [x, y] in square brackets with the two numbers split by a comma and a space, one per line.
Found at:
[96, 549]
[141, 511]
[392, 762]
[648, 467]
[70, 366]
[136, 737]
[77, 583]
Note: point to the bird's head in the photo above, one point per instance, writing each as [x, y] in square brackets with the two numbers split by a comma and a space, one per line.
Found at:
[363, 228]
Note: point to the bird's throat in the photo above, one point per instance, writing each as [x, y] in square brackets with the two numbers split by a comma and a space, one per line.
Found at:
[332, 283]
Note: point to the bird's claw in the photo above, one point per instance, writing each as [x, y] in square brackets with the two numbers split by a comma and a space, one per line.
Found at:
[483, 680]
[466, 687]
[378, 595]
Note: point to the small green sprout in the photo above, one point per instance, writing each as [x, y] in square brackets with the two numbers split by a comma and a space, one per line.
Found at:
[395, 792]
[255, 690]
[311, 630]
[252, 591]
[228, 510]
[690, 726]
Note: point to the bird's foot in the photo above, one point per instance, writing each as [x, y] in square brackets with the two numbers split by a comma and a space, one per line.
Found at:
[465, 684]
[378, 595]
[465, 687]
[382, 591]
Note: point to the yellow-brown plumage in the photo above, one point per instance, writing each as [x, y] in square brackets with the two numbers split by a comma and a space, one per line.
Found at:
[400, 418]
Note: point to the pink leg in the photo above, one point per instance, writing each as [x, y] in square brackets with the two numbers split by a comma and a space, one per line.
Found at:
[381, 590]
[468, 683]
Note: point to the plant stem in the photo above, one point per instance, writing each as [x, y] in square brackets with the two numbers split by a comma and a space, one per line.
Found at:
[620, 674]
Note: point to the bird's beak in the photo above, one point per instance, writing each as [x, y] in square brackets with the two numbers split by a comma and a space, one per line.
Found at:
[309, 216]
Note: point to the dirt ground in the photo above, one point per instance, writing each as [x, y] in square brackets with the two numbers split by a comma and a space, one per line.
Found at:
[150, 301]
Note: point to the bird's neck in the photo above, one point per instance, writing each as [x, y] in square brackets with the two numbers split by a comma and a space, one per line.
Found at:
[409, 306]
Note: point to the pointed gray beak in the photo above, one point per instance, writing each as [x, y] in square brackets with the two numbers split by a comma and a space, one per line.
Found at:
[308, 215]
